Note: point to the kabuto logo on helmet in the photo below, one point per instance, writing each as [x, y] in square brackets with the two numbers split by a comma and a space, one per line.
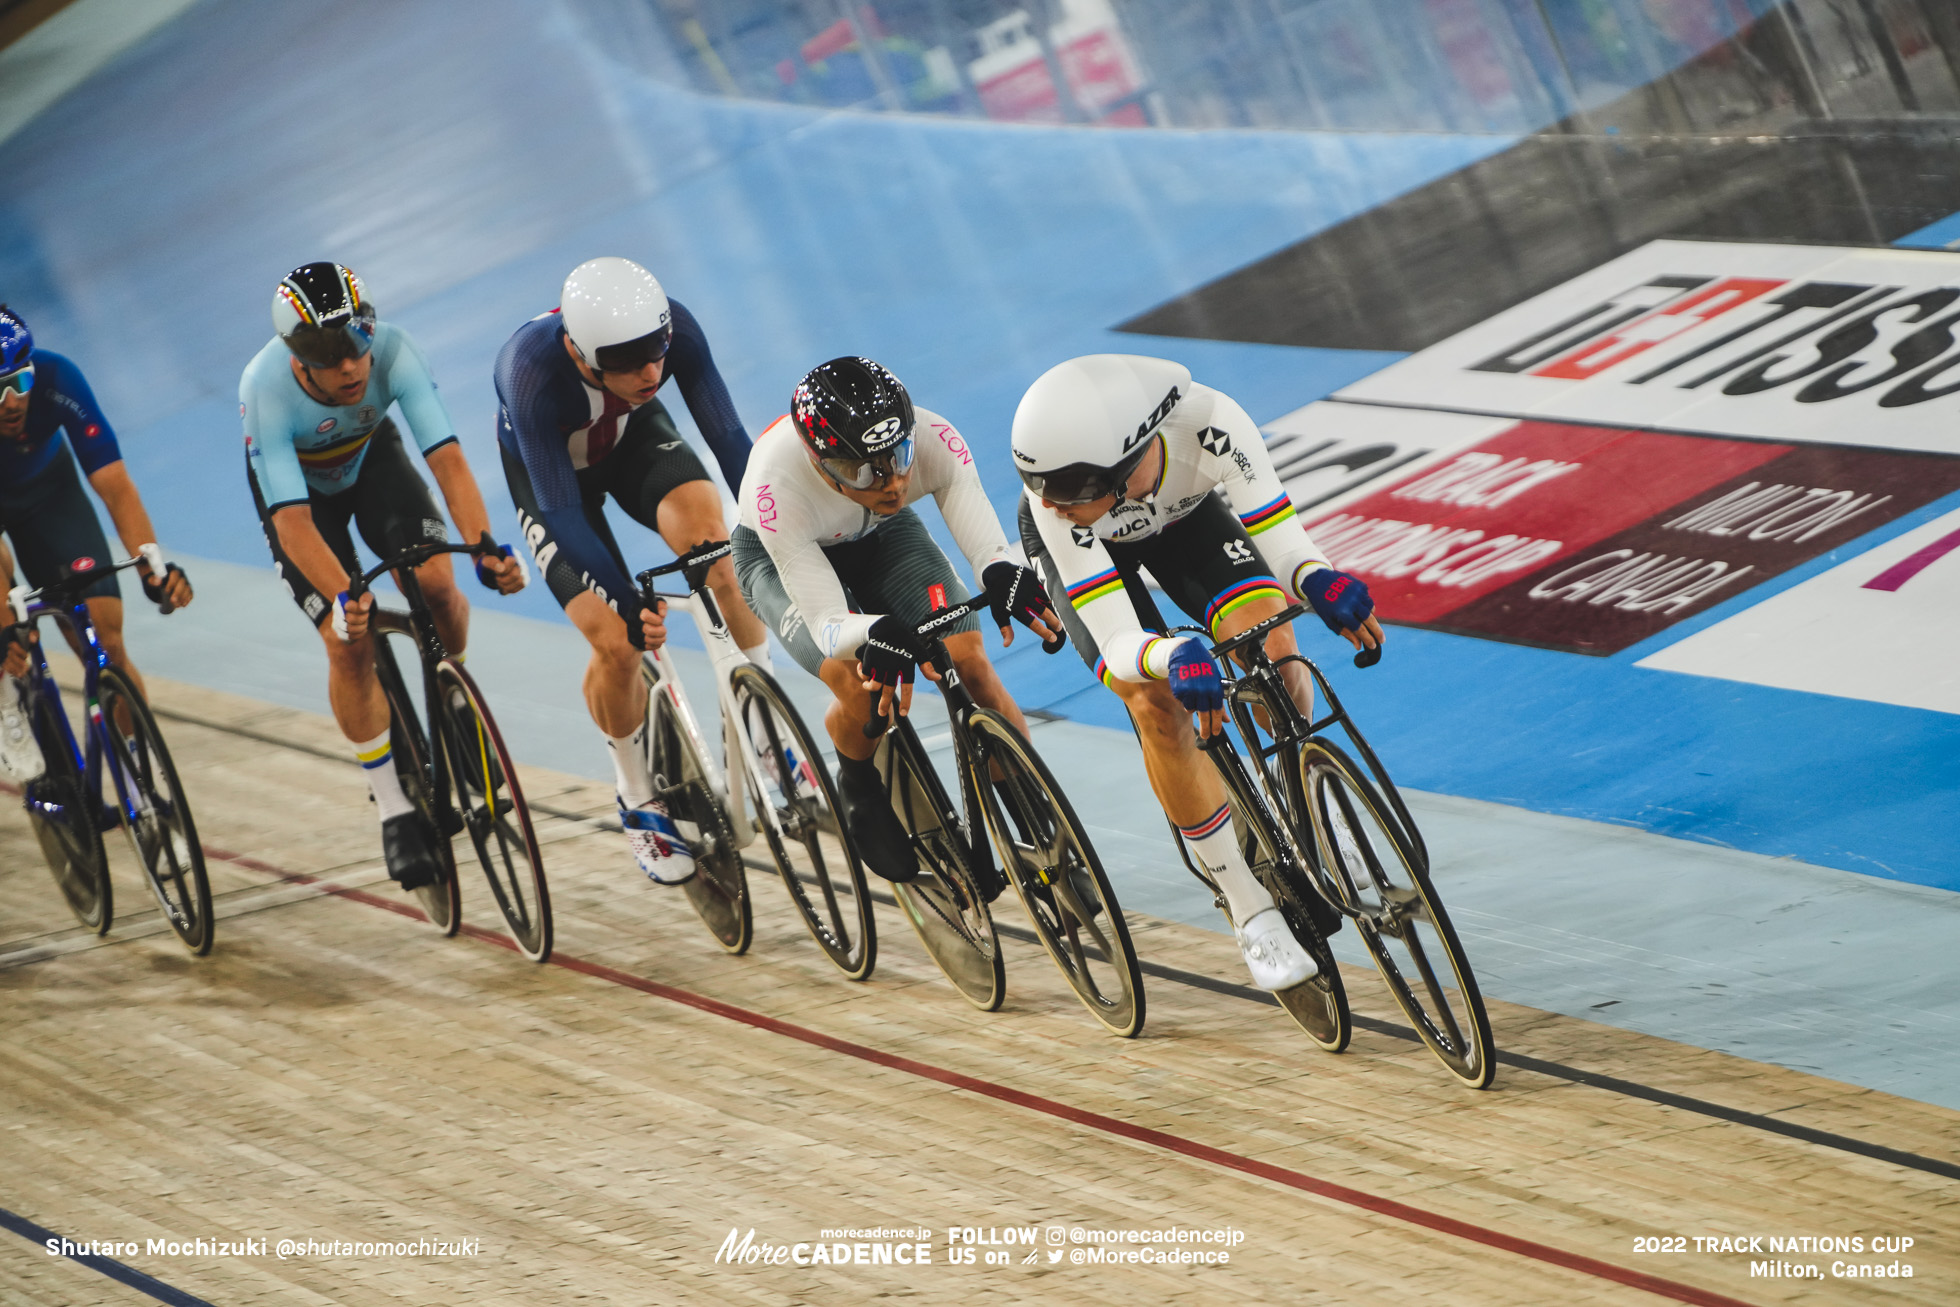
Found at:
[1155, 420]
[881, 434]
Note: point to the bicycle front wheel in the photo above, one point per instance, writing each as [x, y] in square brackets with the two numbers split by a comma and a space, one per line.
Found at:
[441, 900]
[1057, 874]
[63, 815]
[1402, 921]
[796, 809]
[494, 812]
[719, 889]
[155, 814]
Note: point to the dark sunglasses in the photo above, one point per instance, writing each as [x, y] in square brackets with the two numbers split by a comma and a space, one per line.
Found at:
[1083, 483]
[632, 355]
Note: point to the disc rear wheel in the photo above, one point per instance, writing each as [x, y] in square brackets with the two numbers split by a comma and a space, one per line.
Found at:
[64, 819]
[719, 888]
[440, 900]
[155, 814]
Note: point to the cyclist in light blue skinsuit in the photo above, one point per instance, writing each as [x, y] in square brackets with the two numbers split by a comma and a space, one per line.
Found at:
[320, 453]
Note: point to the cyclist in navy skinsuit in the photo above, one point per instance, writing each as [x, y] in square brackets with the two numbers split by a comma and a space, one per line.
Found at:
[47, 408]
[577, 422]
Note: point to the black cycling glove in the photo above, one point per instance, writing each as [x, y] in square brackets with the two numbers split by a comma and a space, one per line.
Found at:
[890, 652]
[153, 586]
[1014, 591]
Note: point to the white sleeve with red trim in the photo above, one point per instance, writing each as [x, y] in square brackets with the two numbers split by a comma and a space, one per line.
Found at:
[1245, 471]
[1126, 652]
[947, 472]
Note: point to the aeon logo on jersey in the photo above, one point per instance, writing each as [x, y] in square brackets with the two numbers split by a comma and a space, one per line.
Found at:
[765, 507]
[953, 441]
[326, 426]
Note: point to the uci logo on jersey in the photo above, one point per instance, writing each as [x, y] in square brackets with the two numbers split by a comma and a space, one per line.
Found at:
[1155, 420]
[1214, 440]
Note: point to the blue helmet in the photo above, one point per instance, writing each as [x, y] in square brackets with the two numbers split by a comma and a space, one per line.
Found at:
[16, 341]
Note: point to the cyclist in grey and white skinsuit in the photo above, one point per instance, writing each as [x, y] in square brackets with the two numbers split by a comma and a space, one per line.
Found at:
[830, 553]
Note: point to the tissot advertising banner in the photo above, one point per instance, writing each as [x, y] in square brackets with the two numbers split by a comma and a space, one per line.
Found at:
[1657, 436]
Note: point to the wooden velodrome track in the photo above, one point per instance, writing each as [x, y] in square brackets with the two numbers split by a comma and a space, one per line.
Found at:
[598, 1126]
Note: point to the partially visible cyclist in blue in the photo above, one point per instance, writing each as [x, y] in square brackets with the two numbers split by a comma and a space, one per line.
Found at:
[321, 456]
[47, 410]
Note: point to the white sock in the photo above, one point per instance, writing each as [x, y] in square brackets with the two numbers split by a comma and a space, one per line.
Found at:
[378, 762]
[1216, 845]
[630, 775]
[759, 655]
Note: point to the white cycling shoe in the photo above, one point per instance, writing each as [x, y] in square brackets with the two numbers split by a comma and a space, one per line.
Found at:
[1275, 959]
[657, 844]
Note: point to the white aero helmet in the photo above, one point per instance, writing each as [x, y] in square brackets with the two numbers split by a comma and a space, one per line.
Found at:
[1084, 425]
[616, 315]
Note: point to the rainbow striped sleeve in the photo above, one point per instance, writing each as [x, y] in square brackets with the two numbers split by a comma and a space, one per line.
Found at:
[1083, 593]
[1262, 519]
[1230, 601]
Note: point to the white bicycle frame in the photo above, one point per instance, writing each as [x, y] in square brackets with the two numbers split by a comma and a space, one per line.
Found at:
[663, 678]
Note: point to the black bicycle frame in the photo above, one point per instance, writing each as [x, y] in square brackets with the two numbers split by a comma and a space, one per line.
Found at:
[960, 706]
[1289, 725]
[419, 624]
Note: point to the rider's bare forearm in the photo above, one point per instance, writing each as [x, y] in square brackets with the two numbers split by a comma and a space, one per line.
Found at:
[302, 542]
[117, 491]
[459, 491]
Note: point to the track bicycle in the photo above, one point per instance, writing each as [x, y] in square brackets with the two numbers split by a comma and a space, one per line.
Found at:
[783, 784]
[1356, 840]
[67, 805]
[1005, 786]
[466, 781]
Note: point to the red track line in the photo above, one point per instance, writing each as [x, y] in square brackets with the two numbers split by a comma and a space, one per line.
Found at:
[1653, 1284]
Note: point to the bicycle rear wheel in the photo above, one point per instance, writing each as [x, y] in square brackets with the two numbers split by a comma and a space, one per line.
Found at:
[944, 903]
[1402, 920]
[63, 815]
[441, 899]
[719, 889]
[155, 814]
[796, 809]
[494, 812]
[1057, 874]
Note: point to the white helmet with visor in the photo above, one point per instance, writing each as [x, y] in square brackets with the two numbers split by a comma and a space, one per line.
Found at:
[1085, 425]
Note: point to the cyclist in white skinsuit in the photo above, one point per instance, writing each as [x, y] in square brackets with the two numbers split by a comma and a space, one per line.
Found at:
[830, 553]
[1128, 465]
